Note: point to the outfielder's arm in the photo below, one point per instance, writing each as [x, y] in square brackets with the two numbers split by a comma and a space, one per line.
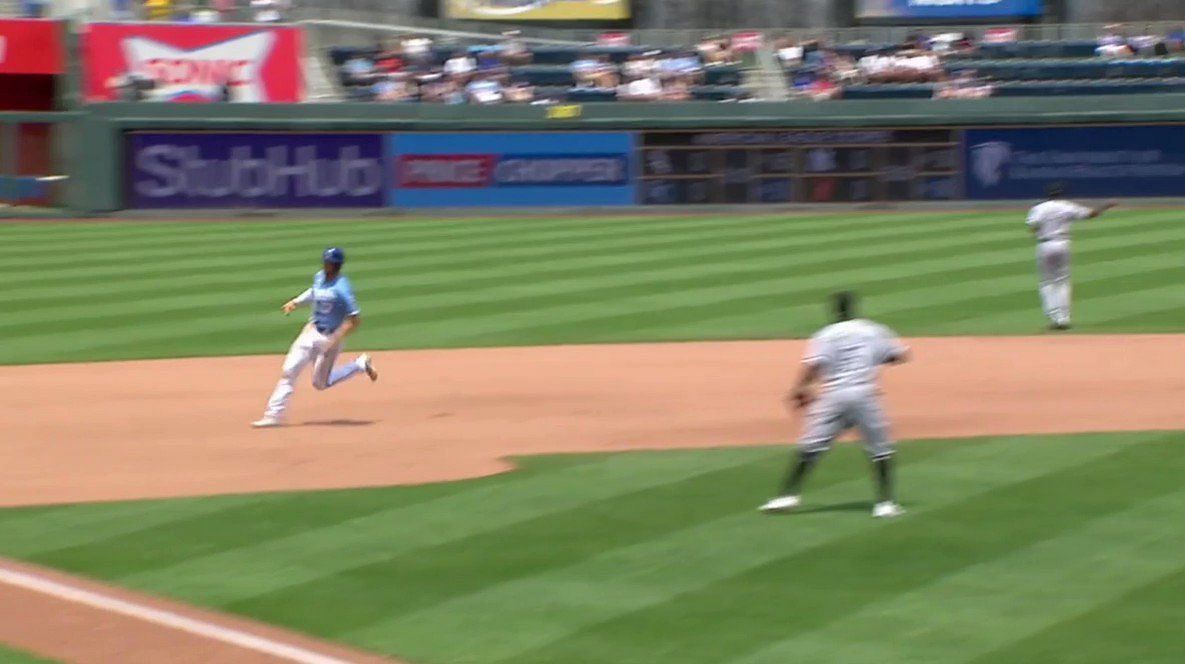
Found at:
[1094, 212]
[298, 301]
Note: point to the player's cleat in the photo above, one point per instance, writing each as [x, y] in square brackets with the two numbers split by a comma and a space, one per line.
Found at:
[887, 510]
[368, 366]
[1059, 327]
[781, 504]
[266, 422]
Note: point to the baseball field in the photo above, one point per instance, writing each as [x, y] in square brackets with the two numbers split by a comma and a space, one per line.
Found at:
[576, 420]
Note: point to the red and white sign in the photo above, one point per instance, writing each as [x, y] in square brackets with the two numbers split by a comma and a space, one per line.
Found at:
[745, 42]
[191, 63]
[30, 46]
[999, 35]
[613, 39]
[445, 171]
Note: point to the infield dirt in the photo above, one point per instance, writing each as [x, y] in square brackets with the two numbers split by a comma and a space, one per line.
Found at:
[129, 430]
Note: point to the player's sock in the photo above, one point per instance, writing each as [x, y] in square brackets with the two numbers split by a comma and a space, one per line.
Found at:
[1065, 302]
[884, 478]
[798, 471]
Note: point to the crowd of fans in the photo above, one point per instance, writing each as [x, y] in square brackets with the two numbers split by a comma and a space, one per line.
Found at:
[408, 69]
[820, 73]
[193, 11]
[1116, 42]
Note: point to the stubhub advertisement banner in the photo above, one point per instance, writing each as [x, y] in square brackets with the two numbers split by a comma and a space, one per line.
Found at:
[511, 170]
[947, 9]
[1093, 161]
[280, 170]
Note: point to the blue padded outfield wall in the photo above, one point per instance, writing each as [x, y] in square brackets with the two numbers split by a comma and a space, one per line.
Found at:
[511, 169]
[1092, 161]
[415, 170]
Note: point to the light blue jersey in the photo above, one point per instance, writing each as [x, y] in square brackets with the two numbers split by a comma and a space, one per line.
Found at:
[332, 302]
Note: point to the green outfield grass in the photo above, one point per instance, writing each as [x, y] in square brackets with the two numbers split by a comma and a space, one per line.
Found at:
[133, 289]
[10, 656]
[1049, 549]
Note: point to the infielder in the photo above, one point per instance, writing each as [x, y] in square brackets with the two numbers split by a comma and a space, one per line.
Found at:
[335, 315]
[1050, 222]
[845, 357]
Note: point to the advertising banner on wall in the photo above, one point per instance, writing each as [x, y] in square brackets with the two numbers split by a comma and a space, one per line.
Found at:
[228, 170]
[1092, 161]
[514, 170]
[947, 9]
[538, 10]
[31, 46]
[193, 62]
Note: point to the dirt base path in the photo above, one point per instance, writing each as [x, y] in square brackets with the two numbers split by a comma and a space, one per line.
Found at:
[121, 430]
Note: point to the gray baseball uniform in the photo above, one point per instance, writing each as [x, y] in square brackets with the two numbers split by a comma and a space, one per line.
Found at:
[1051, 222]
[849, 355]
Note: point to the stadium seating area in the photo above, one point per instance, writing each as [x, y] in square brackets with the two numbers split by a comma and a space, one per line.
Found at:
[1008, 69]
[541, 74]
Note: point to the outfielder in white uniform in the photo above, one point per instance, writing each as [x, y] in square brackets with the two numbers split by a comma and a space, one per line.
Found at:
[846, 358]
[1050, 222]
[335, 315]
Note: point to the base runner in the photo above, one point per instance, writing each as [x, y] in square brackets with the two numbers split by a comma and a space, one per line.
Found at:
[846, 358]
[1050, 222]
[335, 315]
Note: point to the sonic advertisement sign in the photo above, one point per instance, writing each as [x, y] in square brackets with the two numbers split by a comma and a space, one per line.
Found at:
[193, 63]
[514, 170]
[1092, 161]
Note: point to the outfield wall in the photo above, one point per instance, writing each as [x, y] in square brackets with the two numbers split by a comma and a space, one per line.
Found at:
[177, 156]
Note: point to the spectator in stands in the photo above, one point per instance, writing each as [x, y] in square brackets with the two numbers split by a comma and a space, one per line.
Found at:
[417, 49]
[388, 59]
[394, 89]
[203, 15]
[789, 53]
[1113, 43]
[823, 88]
[514, 52]
[485, 89]
[715, 51]
[639, 64]
[269, 11]
[358, 70]
[460, 67]
[644, 88]
[842, 68]
[121, 10]
[585, 69]
[683, 64]
[1175, 40]
[440, 89]
[489, 60]
[964, 85]
[520, 91]
[676, 90]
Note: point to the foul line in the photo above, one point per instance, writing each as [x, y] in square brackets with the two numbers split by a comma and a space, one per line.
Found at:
[164, 618]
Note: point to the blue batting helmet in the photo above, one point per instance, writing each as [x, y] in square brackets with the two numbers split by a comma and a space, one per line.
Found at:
[334, 255]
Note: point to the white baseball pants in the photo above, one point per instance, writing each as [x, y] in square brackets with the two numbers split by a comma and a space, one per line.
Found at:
[310, 346]
[1053, 266]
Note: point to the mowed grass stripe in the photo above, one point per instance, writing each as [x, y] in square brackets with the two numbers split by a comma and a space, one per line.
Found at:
[629, 268]
[1143, 626]
[743, 291]
[418, 273]
[312, 552]
[442, 256]
[993, 604]
[655, 299]
[805, 590]
[550, 606]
